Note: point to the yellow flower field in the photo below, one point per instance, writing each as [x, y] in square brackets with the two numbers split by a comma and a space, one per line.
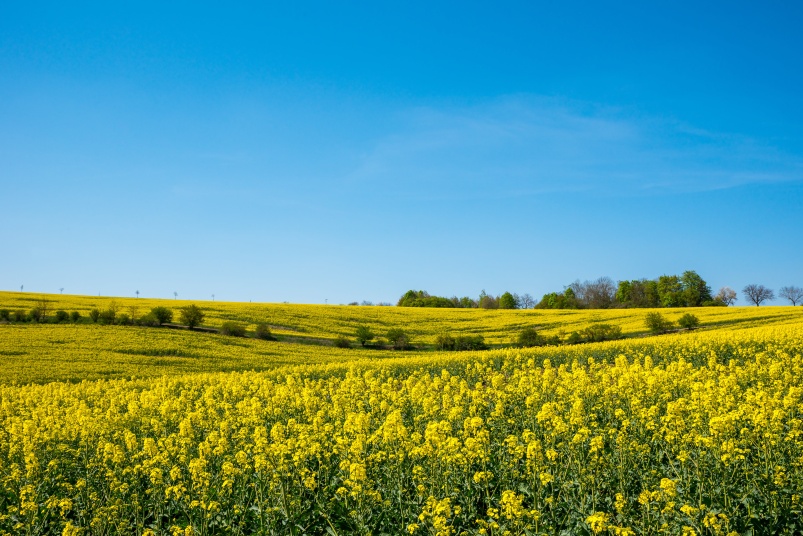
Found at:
[329, 321]
[693, 433]
[63, 352]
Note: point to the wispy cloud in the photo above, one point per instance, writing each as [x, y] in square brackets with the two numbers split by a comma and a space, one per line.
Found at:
[525, 146]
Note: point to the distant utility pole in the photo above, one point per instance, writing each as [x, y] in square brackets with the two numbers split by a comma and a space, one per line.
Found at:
[61, 290]
[137, 293]
[213, 297]
[21, 288]
[175, 295]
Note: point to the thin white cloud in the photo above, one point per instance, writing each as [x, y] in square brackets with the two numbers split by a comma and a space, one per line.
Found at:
[524, 146]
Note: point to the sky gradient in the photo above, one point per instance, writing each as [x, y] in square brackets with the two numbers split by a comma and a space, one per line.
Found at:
[332, 152]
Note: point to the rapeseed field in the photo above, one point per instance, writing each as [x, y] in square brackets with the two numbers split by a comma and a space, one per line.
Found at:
[326, 322]
[690, 433]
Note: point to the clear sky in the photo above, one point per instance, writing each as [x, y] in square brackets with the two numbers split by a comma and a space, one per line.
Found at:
[340, 151]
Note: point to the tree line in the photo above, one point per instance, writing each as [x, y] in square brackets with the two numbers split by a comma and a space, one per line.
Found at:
[507, 300]
[685, 290]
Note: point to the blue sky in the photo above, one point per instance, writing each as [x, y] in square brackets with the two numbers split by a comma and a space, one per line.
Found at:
[312, 152]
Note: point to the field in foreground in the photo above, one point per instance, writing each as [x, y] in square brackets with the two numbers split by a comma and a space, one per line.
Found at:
[695, 433]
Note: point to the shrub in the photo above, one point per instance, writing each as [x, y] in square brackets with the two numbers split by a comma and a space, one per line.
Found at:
[342, 342]
[36, 315]
[470, 342]
[233, 329]
[94, 314]
[163, 315]
[363, 334]
[574, 338]
[75, 316]
[444, 341]
[460, 343]
[5, 314]
[123, 319]
[601, 332]
[107, 316]
[62, 316]
[149, 320]
[657, 323]
[20, 316]
[192, 315]
[529, 337]
[263, 332]
[398, 339]
[688, 321]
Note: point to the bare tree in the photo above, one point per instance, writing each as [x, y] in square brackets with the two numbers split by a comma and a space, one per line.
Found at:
[793, 294]
[726, 295]
[597, 294]
[527, 301]
[113, 308]
[39, 312]
[758, 293]
[133, 312]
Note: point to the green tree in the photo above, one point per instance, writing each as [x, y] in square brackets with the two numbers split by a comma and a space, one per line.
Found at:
[638, 293]
[398, 339]
[110, 314]
[644, 293]
[487, 301]
[624, 292]
[670, 291]
[36, 315]
[553, 300]
[163, 315]
[191, 315]
[507, 301]
[694, 289]
[411, 298]
[363, 334]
